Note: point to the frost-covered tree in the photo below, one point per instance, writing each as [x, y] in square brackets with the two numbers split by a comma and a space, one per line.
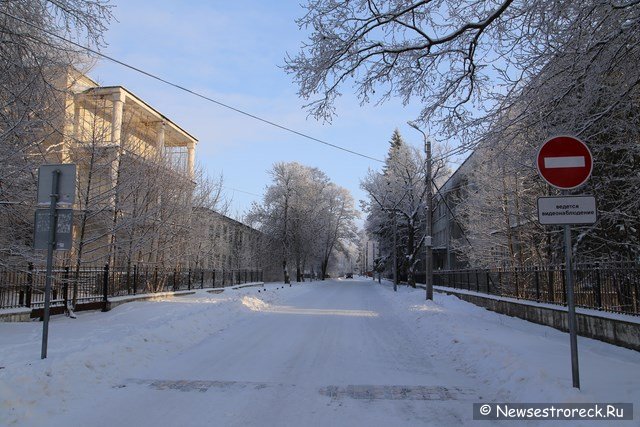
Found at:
[308, 216]
[32, 63]
[497, 208]
[505, 73]
[336, 226]
[590, 89]
[207, 197]
[397, 205]
[463, 60]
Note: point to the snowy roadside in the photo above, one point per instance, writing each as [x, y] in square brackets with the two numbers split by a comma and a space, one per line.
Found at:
[522, 361]
[102, 348]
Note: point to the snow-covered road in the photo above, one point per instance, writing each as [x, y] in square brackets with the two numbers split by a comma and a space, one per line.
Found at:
[342, 352]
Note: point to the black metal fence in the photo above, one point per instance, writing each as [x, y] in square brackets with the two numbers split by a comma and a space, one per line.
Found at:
[25, 288]
[610, 287]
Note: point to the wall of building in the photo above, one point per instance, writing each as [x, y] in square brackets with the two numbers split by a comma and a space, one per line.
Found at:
[225, 243]
[446, 229]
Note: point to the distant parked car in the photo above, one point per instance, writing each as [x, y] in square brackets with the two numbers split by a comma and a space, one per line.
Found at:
[349, 276]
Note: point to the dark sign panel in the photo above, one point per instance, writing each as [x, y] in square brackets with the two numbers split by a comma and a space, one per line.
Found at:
[66, 184]
[64, 228]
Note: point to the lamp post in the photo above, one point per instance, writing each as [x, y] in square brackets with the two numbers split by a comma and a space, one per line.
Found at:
[429, 254]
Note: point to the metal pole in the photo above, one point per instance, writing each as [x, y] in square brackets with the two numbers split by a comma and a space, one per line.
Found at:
[50, 247]
[429, 252]
[105, 288]
[571, 309]
[428, 229]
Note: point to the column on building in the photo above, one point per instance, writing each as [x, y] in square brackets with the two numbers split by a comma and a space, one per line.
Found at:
[191, 159]
[116, 120]
[155, 243]
[77, 130]
[116, 136]
[70, 127]
[116, 142]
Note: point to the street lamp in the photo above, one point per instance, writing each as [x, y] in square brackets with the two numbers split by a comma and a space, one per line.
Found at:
[429, 254]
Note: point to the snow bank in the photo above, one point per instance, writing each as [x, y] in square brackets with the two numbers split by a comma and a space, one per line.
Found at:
[101, 348]
[521, 361]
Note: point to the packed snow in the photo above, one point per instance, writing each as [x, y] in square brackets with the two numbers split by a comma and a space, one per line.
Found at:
[338, 352]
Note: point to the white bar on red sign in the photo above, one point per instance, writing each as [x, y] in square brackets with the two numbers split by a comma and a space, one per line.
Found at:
[564, 162]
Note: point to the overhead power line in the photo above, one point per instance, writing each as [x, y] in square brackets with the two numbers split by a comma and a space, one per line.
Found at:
[240, 191]
[192, 92]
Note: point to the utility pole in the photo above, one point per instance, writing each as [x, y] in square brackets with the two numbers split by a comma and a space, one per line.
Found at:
[427, 240]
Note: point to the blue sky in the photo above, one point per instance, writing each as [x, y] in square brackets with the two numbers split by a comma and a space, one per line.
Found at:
[232, 51]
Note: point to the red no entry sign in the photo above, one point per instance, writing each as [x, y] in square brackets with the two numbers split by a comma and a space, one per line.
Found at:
[564, 162]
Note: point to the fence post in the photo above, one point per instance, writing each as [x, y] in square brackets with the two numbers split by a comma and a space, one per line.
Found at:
[189, 279]
[477, 282]
[127, 280]
[598, 289]
[223, 277]
[105, 288]
[537, 281]
[468, 281]
[550, 287]
[135, 279]
[201, 279]
[488, 282]
[213, 277]
[175, 275]
[616, 288]
[29, 284]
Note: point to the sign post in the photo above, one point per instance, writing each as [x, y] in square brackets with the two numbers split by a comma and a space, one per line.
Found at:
[61, 181]
[566, 163]
[51, 244]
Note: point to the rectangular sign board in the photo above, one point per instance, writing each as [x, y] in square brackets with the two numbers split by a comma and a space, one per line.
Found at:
[64, 228]
[66, 184]
[567, 210]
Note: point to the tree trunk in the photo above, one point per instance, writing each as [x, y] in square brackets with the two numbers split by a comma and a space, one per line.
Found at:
[323, 268]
